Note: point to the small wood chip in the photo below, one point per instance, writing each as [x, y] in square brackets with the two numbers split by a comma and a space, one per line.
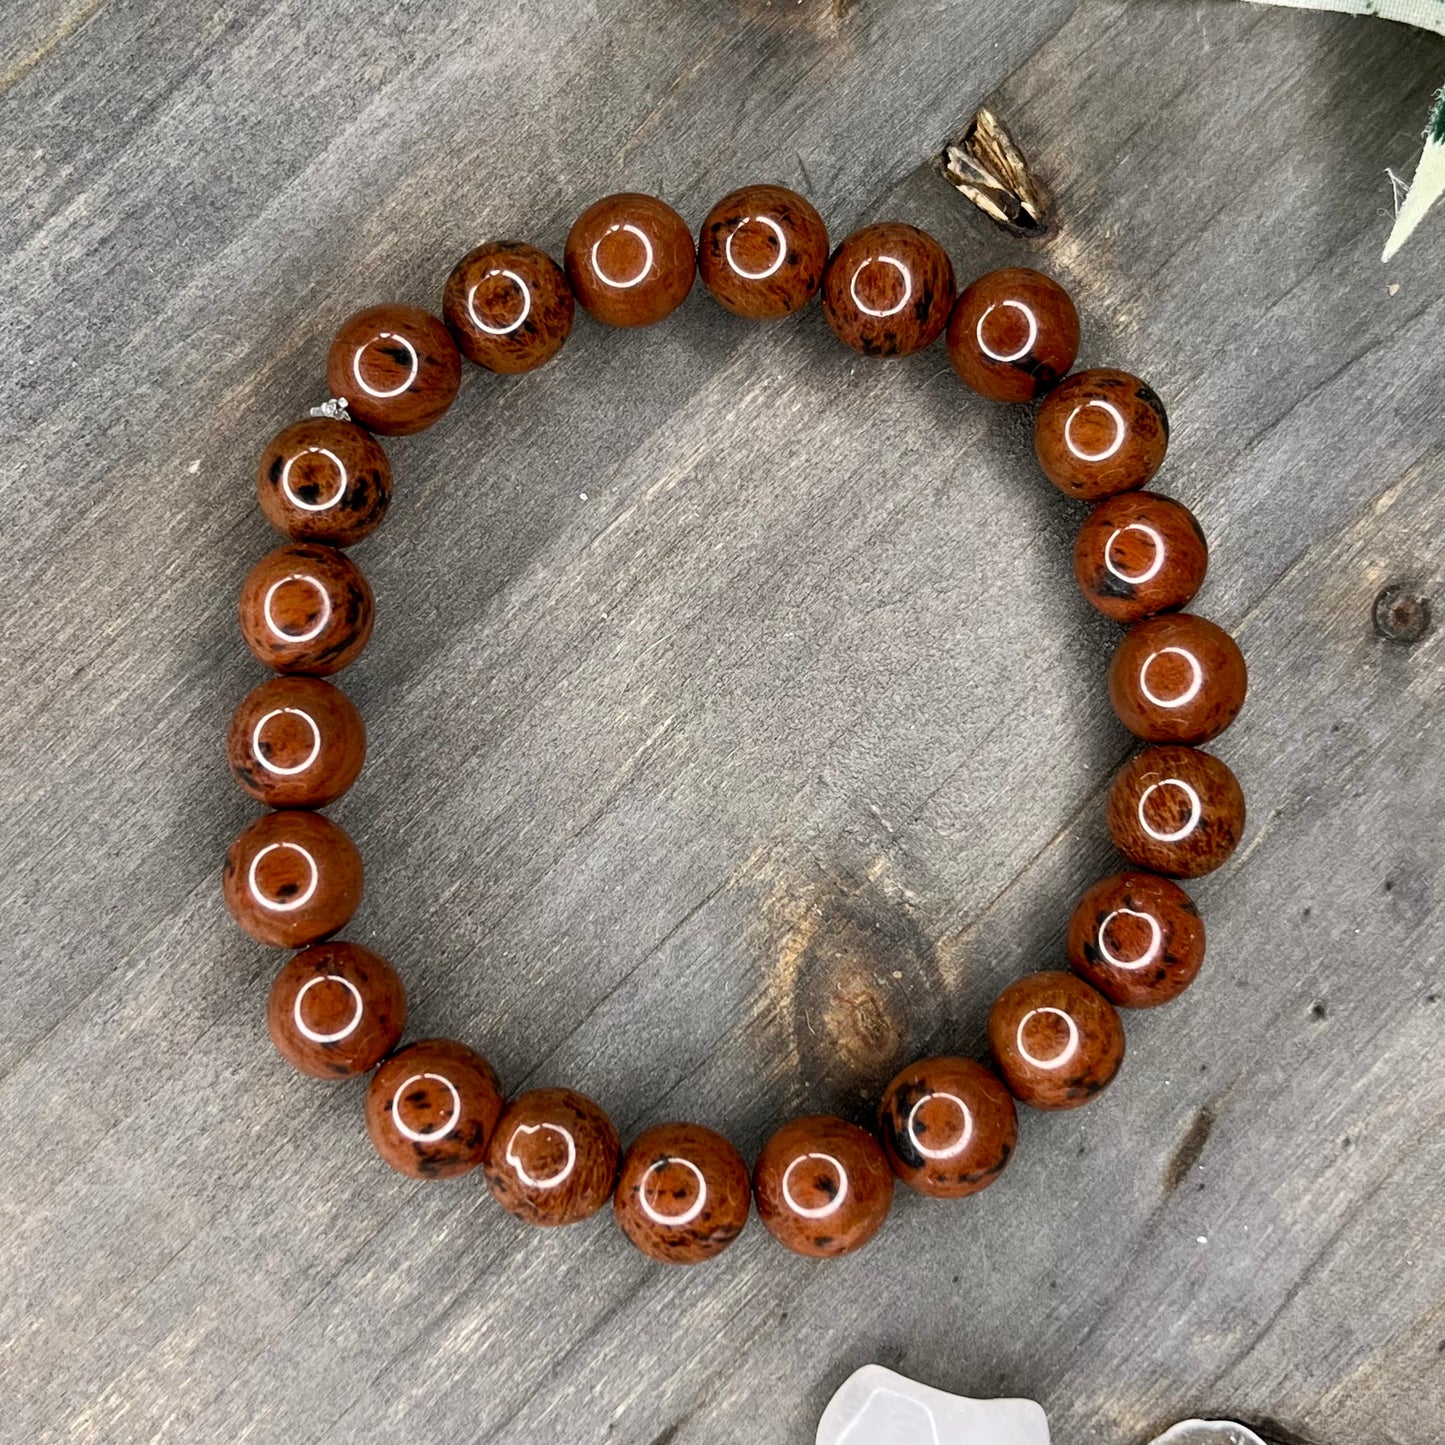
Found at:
[986, 165]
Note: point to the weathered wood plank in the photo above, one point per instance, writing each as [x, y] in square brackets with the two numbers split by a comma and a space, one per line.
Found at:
[763, 764]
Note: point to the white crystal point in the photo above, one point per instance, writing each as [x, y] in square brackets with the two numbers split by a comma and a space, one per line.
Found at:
[875, 1406]
[1207, 1432]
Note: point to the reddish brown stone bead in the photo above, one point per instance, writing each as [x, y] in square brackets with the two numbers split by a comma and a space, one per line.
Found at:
[431, 1109]
[336, 1009]
[396, 368]
[1175, 810]
[1177, 679]
[296, 742]
[509, 306]
[324, 481]
[1137, 938]
[553, 1157]
[306, 609]
[888, 289]
[1057, 1041]
[1100, 432]
[630, 259]
[683, 1194]
[1138, 554]
[292, 878]
[823, 1186]
[761, 252]
[948, 1127]
[1012, 334]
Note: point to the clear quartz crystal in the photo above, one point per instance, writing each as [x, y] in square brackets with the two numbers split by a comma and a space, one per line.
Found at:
[875, 1406]
[1207, 1432]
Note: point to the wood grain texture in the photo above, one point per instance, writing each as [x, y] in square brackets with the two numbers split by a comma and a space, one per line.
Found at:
[722, 788]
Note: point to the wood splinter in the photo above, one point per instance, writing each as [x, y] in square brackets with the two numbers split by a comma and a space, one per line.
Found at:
[986, 165]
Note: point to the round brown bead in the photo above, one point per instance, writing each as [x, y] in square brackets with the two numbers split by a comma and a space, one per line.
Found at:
[509, 306]
[323, 480]
[1137, 938]
[761, 252]
[1175, 810]
[1012, 334]
[395, 367]
[1177, 679]
[630, 259]
[948, 1127]
[1100, 432]
[683, 1194]
[823, 1186]
[888, 289]
[553, 1157]
[336, 1009]
[1138, 554]
[296, 742]
[431, 1109]
[306, 608]
[1057, 1041]
[292, 878]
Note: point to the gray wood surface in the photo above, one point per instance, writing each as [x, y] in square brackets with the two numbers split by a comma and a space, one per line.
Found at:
[736, 730]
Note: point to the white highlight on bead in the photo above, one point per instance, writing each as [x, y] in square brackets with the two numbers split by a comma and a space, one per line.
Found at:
[782, 255]
[959, 1144]
[687, 1216]
[1153, 569]
[882, 261]
[1060, 1059]
[276, 768]
[511, 325]
[384, 394]
[1156, 939]
[1196, 681]
[1196, 811]
[1023, 350]
[816, 1211]
[276, 627]
[273, 904]
[305, 1029]
[1120, 431]
[332, 500]
[533, 1181]
[647, 256]
[425, 1136]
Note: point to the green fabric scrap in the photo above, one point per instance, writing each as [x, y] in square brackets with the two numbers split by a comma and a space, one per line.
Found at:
[1429, 182]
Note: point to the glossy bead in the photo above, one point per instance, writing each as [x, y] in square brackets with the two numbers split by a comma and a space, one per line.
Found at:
[431, 1109]
[823, 1186]
[306, 609]
[683, 1194]
[761, 252]
[553, 1157]
[1138, 554]
[324, 481]
[1100, 432]
[1137, 938]
[296, 742]
[292, 878]
[336, 1009]
[1177, 678]
[630, 259]
[509, 306]
[1012, 334]
[888, 289]
[396, 368]
[1056, 1040]
[948, 1127]
[1175, 810]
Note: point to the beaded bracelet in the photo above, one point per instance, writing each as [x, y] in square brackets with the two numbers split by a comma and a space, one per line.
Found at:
[946, 1126]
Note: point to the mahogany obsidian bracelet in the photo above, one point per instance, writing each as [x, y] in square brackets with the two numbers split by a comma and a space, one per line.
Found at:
[946, 1126]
